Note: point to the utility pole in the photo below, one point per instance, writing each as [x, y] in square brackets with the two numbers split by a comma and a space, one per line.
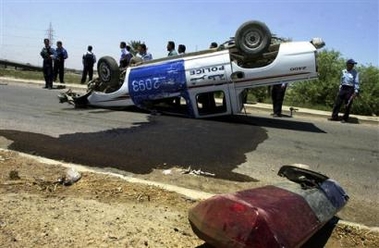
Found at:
[50, 34]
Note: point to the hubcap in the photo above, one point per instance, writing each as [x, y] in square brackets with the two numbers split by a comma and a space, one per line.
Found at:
[253, 38]
[104, 72]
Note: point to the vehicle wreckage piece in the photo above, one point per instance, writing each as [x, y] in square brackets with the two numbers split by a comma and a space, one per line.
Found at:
[282, 215]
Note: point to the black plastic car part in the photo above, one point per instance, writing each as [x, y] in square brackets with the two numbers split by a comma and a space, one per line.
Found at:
[306, 178]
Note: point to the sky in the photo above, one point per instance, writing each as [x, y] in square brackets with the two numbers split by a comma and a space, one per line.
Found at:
[347, 26]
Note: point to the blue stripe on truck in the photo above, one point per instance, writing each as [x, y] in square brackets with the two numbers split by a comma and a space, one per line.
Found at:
[153, 82]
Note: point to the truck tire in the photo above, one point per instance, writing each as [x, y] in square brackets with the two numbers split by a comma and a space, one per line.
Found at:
[108, 70]
[252, 38]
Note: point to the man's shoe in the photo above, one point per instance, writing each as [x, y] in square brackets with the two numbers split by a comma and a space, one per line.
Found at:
[332, 119]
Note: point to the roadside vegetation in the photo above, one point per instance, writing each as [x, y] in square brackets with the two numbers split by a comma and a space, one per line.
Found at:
[317, 94]
[320, 94]
[69, 77]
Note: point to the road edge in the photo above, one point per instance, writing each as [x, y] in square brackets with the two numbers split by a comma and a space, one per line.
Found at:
[188, 193]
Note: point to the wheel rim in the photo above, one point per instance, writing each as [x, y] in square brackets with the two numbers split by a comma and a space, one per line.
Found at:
[253, 38]
[105, 72]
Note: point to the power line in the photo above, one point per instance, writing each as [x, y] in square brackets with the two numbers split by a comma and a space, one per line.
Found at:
[20, 36]
[50, 33]
[12, 27]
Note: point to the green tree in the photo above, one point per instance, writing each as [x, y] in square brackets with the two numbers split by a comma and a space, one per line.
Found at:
[321, 93]
[134, 45]
[367, 102]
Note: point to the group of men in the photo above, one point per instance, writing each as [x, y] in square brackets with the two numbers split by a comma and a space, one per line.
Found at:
[53, 63]
[127, 58]
[53, 60]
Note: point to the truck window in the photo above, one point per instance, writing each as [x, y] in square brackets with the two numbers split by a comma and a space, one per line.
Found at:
[211, 103]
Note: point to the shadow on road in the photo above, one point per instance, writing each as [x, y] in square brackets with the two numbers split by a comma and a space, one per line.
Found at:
[285, 122]
[163, 142]
[217, 146]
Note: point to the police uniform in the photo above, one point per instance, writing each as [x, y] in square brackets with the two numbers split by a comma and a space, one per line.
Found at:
[349, 88]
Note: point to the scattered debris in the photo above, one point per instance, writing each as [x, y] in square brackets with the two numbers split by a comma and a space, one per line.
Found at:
[292, 110]
[68, 96]
[45, 185]
[198, 172]
[167, 172]
[4, 159]
[72, 176]
[141, 197]
[13, 175]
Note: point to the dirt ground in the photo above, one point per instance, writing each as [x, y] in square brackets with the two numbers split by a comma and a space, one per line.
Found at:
[106, 211]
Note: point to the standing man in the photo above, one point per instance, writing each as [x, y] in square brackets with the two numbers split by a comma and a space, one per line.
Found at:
[213, 45]
[181, 49]
[143, 53]
[89, 59]
[126, 56]
[61, 55]
[348, 90]
[48, 55]
[171, 49]
[277, 95]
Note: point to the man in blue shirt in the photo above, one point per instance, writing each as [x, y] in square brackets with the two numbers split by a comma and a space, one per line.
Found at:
[126, 56]
[141, 56]
[48, 55]
[61, 55]
[348, 90]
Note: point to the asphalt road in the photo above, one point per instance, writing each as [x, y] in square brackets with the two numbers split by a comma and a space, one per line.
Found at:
[240, 148]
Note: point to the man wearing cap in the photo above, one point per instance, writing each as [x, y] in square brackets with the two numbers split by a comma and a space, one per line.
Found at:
[349, 89]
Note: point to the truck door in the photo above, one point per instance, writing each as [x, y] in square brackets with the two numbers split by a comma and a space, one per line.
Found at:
[210, 102]
[208, 79]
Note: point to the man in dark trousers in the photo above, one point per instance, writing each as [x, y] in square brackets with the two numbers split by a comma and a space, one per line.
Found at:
[48, 55]
[348, 90]
[89, 59]
[61, 55]
[277, 94]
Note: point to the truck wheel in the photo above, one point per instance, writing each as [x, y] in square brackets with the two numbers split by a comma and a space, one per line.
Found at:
[252, 38]
[108, 71]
